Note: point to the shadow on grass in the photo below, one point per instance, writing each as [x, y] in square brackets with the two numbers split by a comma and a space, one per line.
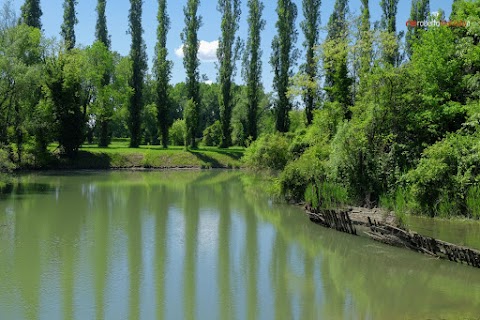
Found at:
[87, 160]
[209, 161]
[235, 154]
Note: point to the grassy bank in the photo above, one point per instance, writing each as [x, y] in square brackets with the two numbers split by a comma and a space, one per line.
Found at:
[119, 156]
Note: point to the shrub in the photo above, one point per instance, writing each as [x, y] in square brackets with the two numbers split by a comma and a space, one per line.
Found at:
[304, 171]
[270, 151]
[177, 132]
[473, 201]
[212, 135]
[5, 162]
[441, 183]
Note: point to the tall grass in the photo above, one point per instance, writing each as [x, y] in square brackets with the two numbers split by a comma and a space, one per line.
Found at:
[400, 203]
[326, 195]
[473, 202]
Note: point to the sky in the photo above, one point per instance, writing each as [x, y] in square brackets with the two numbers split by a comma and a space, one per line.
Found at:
[117, 22]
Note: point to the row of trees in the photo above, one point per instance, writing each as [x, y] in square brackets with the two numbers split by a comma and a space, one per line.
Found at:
[85, 104]
[397, 121]
[72, 94]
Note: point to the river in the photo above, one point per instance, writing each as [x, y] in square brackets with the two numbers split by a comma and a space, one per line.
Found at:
[203, 245]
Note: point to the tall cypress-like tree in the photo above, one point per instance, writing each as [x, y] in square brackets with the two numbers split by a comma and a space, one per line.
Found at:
[337, 81]
[311, 28]
[69, 22]
[252, 65]
[389, 24]
[191, 63]
[101, 31]
[419, 12]
[101, 34]
[283, 57]
[139, 65]
[162, 71]
[227, 55]
[31, 13]
[365, 39]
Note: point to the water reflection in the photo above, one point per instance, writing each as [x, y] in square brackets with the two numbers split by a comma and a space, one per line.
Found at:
[204, 245]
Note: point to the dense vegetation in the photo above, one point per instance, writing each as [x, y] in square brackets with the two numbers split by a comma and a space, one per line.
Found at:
[386, 119]
[392, 131]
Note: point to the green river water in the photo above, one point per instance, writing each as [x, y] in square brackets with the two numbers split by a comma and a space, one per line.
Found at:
[206, 245]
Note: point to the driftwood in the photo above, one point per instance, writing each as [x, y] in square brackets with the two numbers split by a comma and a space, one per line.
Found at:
[334, 219]
[387, 233]
[414, 241]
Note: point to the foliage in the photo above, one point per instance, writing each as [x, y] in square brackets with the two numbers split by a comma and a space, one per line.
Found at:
[311, 30]
[6, 163]
[252, 66]
[227, 54]
[442, 180]
[162, 70]
[151, 133]
[69, 22]
[419, 11]
[32, 13]
[191, 63]
[101, 32]
[212, 135]
[269, 151]
[191, 118]
[473, 201]
[282, 59]
[139, 65]
[177, 133]
[20, 79]
[62, 87]
[389, 24]
[334, 55]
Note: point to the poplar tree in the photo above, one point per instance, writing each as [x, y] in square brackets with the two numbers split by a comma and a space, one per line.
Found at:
[337, 81]
[311, 28]
[31, 13]
[191, 63]
[419, 11]
[139, 65]
[365, 39]
[162, 71]
[389, 21]
[101, 34]
[252, 65]
[101, 31]
[227, 54]
[282, 59]
[69, 22]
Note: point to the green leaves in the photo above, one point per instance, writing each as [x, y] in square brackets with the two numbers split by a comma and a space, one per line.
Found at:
[228, 54]
[282, 60]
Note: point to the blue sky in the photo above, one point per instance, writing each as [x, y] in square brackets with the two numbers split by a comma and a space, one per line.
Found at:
[117, 20]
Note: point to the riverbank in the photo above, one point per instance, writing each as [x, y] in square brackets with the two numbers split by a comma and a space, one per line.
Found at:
[119, 156]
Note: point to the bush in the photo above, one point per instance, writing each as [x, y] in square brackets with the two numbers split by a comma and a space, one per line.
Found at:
[212, 135]
[5, 162]
[270, 151]
[441, 183]
[177, 132]
[307, 169]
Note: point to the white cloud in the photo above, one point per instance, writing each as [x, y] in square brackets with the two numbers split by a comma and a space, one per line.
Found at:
[207, 51]
[209, 82]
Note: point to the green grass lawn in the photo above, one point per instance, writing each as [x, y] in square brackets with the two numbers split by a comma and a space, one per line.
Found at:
[119, 155]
